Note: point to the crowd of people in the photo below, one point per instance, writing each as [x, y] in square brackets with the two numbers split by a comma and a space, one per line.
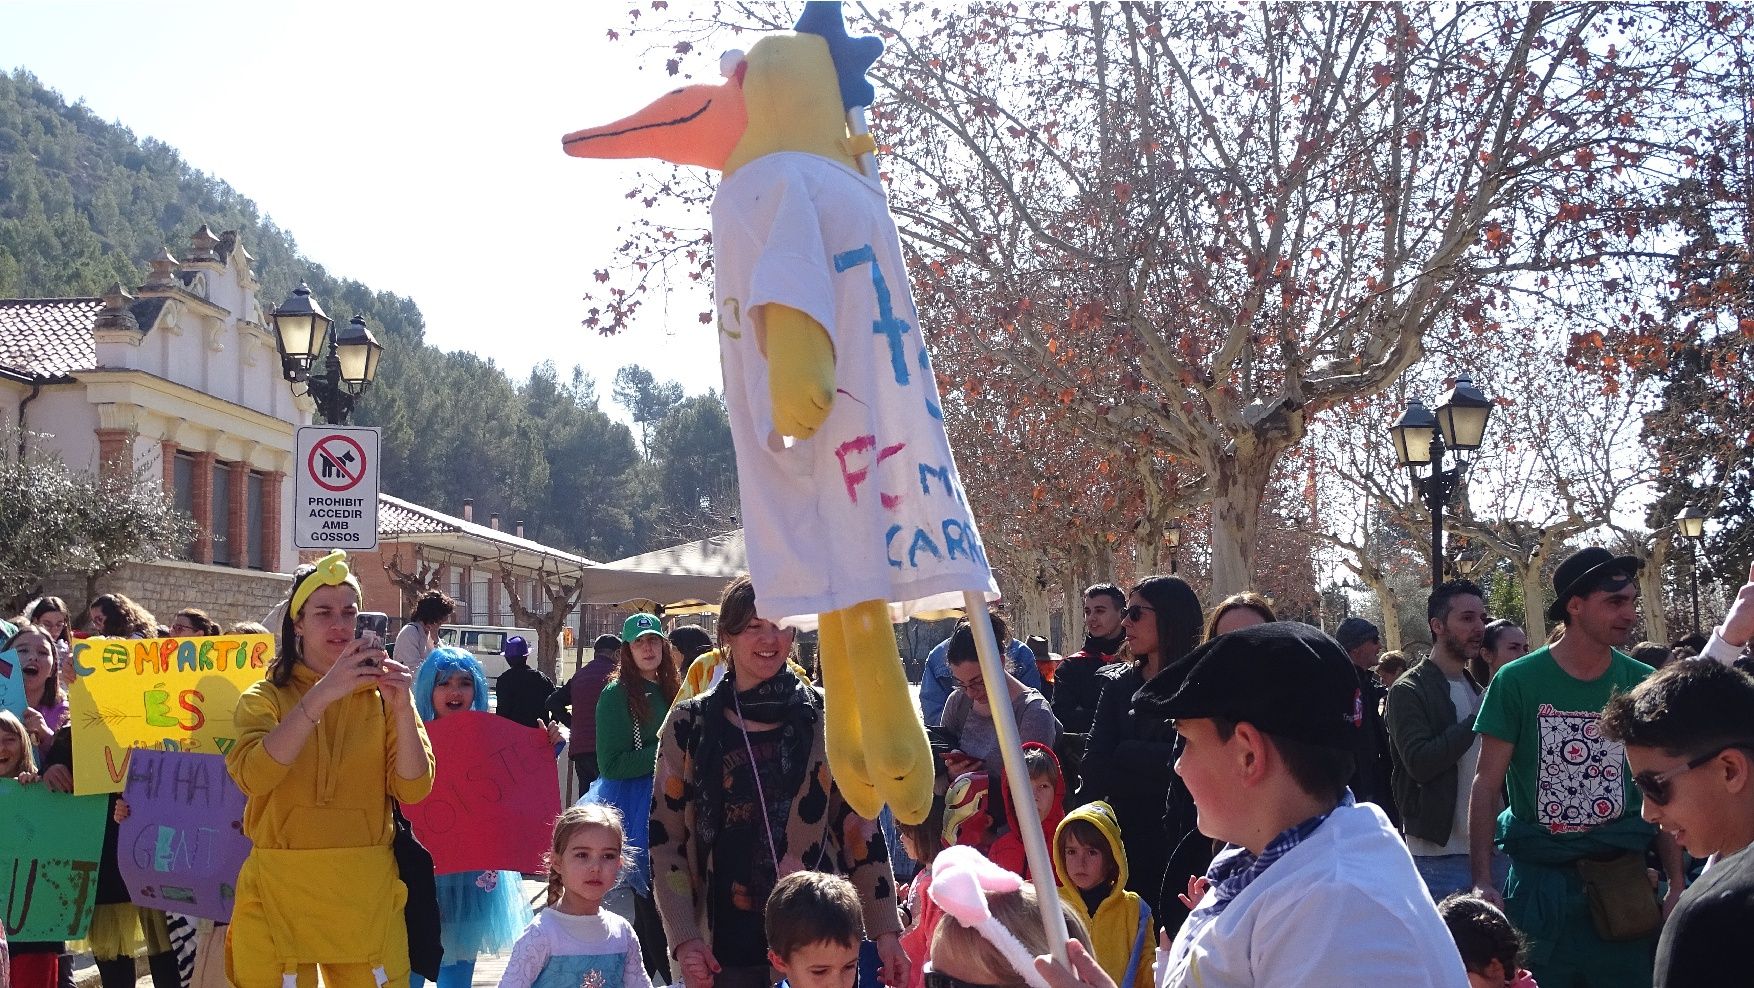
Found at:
[1227, 799]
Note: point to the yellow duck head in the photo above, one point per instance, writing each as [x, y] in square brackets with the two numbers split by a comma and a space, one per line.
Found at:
[789, 93]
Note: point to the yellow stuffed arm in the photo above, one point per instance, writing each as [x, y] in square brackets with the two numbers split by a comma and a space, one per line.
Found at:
[800, 370]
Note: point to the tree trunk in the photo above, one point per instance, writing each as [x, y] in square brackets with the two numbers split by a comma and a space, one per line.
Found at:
[1238, 484]
[1391, 608]
[1650, 592]
[562, 598]
[1528, 573]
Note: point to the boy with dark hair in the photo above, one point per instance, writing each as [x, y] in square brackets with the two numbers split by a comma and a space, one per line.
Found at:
[1689, 736]
[814, 924]
[1314, 888]
[1077, 686]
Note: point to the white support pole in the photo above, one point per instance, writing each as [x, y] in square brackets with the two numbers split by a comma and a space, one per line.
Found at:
[1024, 816]
[856, 125]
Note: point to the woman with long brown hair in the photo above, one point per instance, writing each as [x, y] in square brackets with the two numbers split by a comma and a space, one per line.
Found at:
[1127, 763]
[743, 798]
[630, 710]
[326, 743]
[115, 615]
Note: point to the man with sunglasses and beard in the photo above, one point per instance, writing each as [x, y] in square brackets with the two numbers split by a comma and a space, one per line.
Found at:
[1689, 736]
[1574, 811]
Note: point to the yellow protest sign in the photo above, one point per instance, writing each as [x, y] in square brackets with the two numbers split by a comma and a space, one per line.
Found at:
[173, 694]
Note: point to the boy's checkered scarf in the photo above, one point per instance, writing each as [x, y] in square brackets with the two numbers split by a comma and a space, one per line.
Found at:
[1235, 868]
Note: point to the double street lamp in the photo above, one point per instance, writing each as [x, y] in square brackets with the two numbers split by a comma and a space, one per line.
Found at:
[1691, 524]
[306, 335]
[1421, 439]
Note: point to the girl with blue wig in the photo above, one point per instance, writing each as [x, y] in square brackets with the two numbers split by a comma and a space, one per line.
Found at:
[479, 912]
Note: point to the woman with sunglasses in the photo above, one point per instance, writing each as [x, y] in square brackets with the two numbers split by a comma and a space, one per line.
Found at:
[1127, 762]
[742, 797]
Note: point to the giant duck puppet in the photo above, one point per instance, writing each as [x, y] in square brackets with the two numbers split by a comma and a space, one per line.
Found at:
[854, 513]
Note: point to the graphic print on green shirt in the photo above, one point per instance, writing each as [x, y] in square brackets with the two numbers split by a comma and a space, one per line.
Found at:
[1563, 774]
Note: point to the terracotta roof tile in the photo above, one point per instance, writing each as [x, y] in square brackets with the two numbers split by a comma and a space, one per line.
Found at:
[48, 337]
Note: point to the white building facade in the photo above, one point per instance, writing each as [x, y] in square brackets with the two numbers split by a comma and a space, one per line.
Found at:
[179, 383]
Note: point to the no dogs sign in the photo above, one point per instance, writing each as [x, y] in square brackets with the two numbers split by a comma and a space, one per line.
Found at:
[335, 495]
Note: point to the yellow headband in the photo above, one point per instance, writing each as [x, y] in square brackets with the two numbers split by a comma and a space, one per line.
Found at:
[331, 571]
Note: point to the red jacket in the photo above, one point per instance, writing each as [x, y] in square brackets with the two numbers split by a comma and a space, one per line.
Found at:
[1007, 851]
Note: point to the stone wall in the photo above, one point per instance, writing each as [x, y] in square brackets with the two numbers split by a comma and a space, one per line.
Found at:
[168, 586]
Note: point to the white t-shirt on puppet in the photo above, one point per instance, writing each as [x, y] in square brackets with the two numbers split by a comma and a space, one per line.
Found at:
[872, 506]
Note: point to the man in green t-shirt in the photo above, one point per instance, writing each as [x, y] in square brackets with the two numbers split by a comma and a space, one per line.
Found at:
[1571, 795]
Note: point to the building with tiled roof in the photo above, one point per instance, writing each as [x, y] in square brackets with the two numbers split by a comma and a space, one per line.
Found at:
[178, 382]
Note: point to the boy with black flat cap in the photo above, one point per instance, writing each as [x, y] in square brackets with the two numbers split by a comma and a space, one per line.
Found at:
[1572, 829]
[1314, 888]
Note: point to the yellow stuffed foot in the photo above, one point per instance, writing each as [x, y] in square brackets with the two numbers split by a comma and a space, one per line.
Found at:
[846, 751]
[888, 733]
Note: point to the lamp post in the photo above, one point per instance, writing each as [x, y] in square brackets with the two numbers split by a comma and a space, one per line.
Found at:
[1421, 438]
[305, 335]
[1173, 535]
[1691, 523]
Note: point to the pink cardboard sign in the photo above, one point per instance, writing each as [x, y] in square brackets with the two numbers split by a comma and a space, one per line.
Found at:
[494, 798]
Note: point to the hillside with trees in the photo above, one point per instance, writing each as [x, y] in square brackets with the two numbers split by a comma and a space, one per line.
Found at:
[84, 202]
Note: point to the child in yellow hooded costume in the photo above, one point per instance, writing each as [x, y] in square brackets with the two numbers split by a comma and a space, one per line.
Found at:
[324, 743]
[1090, 864]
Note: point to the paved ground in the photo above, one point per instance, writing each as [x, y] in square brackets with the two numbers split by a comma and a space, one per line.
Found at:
[487, 969]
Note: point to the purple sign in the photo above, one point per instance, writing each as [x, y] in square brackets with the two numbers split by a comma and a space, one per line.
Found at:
[183, 841]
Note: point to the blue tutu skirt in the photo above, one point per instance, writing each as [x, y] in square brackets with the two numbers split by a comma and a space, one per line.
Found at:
[633, 797]
[480, 912]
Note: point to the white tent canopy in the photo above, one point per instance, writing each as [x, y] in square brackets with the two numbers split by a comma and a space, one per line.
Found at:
[680, 576]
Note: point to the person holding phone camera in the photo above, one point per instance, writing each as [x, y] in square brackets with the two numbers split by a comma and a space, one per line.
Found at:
[324, 744]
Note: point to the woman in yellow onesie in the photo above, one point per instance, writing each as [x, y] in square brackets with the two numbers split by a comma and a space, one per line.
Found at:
[324, 743]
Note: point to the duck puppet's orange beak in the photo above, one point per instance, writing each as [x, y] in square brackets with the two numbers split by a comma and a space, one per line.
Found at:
[694, 125]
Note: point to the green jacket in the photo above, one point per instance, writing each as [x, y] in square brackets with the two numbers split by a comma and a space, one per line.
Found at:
[1426, 740]
[626, 750]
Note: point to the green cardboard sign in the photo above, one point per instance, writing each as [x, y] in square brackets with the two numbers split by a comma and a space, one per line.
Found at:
[48, 860]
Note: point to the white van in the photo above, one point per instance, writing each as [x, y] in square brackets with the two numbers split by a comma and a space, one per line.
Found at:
[486, 643]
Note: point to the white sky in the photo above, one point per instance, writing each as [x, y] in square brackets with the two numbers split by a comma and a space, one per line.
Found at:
[414, 148]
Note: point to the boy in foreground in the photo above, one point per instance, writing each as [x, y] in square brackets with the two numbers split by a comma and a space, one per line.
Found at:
[1689, 736]
[814, 924]
[1313, 889]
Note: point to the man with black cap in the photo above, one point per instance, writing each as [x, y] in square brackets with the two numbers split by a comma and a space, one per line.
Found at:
[1372, 776]
[1574, 811]
[1313, 888]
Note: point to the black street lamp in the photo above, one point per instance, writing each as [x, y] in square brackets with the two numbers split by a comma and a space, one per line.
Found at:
[1422, 438]
[305, 334]
[1691, 523]
[1173, 535]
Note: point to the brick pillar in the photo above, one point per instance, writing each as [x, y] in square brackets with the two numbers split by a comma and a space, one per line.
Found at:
[237, 530]
[201, 506]
[167, 457]
[273, 514]
[114, 450]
